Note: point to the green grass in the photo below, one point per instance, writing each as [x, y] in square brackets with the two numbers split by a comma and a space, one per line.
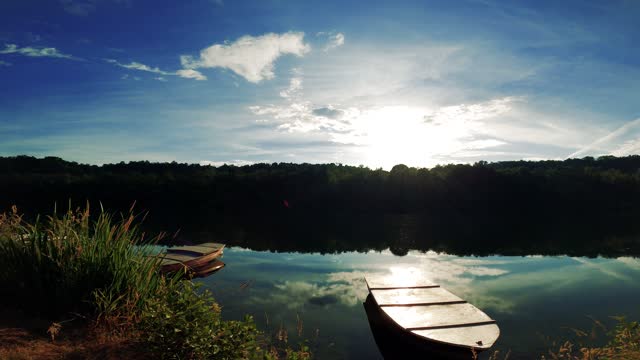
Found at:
[61, 264]
[70, 265]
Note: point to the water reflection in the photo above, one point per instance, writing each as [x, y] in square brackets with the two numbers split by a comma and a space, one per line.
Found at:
[295, 294]
[528, 296]
[471, 234]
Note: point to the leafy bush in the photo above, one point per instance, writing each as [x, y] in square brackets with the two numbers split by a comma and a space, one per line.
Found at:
[180, 322]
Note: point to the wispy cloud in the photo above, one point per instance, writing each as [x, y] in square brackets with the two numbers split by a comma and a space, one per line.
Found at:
[295, 86]
[250, 57]
[86, 7]
[138, 66]
[604, 268]
[36, 52]
[629, 147]
[333, 40]
[625, 149]
[4, 63]
[79, 8]
[473, 112]
[189, 74]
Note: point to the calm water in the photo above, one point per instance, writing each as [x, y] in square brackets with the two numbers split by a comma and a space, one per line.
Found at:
[532, 298]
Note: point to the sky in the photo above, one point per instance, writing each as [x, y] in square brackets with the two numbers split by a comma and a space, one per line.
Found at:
[373, 83]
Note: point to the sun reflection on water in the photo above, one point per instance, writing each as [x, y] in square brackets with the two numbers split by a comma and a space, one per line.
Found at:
[406, 276]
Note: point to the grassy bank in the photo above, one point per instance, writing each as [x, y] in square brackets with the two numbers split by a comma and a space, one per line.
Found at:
[93, 272]
[623, 343]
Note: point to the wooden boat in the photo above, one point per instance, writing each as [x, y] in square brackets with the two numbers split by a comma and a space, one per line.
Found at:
[423, 317]
[200, 249]
[208, 269]
[190, 258]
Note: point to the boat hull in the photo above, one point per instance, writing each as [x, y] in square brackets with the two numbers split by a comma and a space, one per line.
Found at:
[426, 318]
[396, 343]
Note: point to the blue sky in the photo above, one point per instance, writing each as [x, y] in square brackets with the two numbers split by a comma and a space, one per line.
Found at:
[375, 83]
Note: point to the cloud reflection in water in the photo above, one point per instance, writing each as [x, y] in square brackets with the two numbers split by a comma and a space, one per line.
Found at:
[349, 288]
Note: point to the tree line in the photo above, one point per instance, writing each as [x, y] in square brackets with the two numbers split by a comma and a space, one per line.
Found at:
[585, 206]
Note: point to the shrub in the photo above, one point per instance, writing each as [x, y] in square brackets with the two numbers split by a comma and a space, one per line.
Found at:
[182, 323]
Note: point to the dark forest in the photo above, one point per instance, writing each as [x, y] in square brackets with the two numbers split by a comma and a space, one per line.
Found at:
[585, 207]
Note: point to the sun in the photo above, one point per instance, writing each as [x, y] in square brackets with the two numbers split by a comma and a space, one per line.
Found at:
[394, 135]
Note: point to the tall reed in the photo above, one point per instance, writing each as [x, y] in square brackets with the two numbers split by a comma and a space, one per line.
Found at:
[61, 264]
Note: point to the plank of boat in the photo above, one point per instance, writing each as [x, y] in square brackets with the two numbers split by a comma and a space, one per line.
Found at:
[200, 249]
[429, 311]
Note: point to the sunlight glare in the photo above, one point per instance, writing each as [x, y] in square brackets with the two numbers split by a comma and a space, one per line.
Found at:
[394, 135]
[405, 276]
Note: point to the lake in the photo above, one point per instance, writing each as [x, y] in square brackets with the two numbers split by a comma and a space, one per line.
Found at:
[533, 298]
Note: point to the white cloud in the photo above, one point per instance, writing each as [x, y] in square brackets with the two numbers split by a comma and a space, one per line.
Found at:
[530, 124]
[389, 135]
[615, 138]
[191, 74]
[138, 66]
[473, 112]
[36, 52]
[185, 73]
[460, 91]
[334, 40]
[250, 57]
[299, 115]
[160, 78]
[629, 147]
[295, 85]
[230, 162]
[4, 63]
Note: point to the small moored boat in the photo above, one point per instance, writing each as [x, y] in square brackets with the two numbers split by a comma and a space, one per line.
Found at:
[199, 259]
[423, 315]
